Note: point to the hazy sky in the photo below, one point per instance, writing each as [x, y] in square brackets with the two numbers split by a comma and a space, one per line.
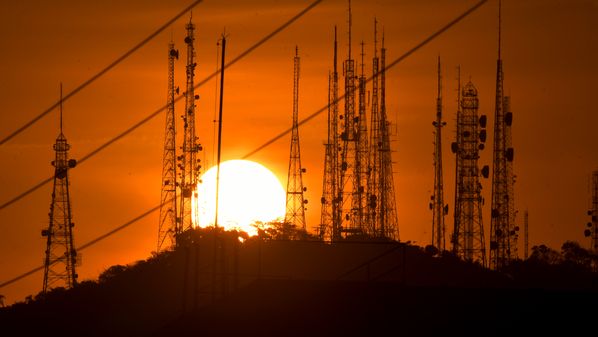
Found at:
[549, 53]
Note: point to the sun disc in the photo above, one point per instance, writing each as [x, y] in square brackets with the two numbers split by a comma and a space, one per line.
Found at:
[249, 192]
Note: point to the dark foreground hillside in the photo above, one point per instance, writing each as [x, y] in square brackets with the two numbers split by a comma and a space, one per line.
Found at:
[324, 308]
[306, 288]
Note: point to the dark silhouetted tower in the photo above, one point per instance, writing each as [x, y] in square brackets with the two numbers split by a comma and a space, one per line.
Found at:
[381, 197]
[61, 256]
[167, 227]
[439, 209]
[388, 224]
[526, 234]
[360, 195]
[375, 163]
[349, 176]
[189, 161]
[295, 205]
[592, 230]
[503, 232]
[468, 234]
[330, 218]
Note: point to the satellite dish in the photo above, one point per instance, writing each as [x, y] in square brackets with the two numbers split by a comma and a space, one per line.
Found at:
[510, 154]
[483, 120]
[509, 118]
[485, 171]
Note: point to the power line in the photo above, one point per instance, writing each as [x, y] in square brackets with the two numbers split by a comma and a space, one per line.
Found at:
[390, 65]
[305, 120]
[99, 74]
[88, 244]
[162, 108]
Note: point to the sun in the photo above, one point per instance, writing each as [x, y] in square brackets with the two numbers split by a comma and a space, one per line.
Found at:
[249, 192]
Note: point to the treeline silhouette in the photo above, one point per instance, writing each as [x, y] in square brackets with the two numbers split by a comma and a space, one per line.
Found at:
[217, 284]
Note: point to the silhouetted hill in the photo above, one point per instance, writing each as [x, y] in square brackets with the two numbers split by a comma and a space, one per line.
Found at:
[328, 308]
[289, 288]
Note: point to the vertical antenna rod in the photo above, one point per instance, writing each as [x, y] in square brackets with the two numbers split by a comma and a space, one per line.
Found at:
[526, 234]
[439, 210]
[220, 129]
[592, 227]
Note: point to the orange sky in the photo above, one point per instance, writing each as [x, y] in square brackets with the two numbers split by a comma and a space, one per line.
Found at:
[549, 53]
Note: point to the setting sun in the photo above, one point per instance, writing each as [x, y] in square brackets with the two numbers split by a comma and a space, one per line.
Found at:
[249, 192]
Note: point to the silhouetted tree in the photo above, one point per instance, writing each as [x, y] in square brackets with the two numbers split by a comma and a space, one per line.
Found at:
[573, 253]
[280, 230]
[111, 272]
[2, 301]
[545, 254]
[431, 250]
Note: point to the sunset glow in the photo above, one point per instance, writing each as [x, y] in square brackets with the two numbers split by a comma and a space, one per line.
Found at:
[249, 192]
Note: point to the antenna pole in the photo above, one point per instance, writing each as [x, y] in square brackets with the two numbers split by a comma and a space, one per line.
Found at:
[220, 129]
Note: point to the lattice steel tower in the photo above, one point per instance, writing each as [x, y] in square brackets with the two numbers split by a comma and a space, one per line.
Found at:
[61, 255]
[360, 195]
[388, 226]
[503, 232]
[352, 182]
[330, 218]
[381, 197]
[468, 235]
[189, 161]
[167, 227]
[592, 230]
[439, 209]
[375, 163]
[295, 205]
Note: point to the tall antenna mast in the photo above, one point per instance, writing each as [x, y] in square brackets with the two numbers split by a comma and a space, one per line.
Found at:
[468, 234]
[190, 164]
[526, 234]
[592, 227]
[375, 164]
[503, 232]
[439, 210]
[389, 223]
[167, 226]
[330, 220]
[295, 204]
[360, 196]
[349, 181]
[60, 257]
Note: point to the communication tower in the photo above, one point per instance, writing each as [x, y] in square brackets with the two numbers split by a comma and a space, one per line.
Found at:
[592, 230]
[295, 205]
[468, 235]
[381, 197]
[439, 209]
[189, 162]
[503, 232]
[360, 195]
[526, 234]
[375, 141]
[349, 177]
[388, 225]
[167, 227]
[330, 218]
[61, 255]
